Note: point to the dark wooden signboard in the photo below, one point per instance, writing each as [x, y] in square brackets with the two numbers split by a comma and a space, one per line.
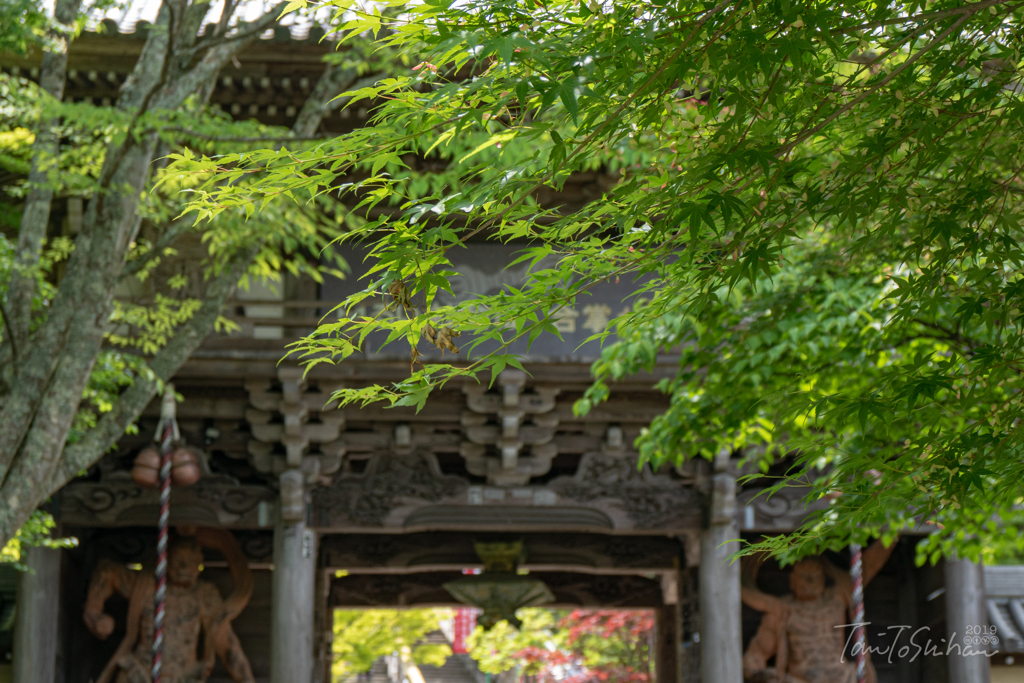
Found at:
[485, 269]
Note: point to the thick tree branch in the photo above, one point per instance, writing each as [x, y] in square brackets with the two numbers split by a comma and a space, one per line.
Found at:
[333, 81]
[81, 309]
[112, 425]
[189, 82]
[41, 467]
[9, 332]
[45, 151]
[221, 39]
[84, 298]
[192, 21]
[178, 228]
[42, 445]
[225, 17]
[146, 74]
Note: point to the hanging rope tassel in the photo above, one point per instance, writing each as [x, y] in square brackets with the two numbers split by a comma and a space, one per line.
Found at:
[858, 612]
[167, 432]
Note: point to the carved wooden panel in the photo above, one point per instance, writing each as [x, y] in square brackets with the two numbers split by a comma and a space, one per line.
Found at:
[782, 511]
[439, 551]
[121, 502]
[402, 493]
[426, 589]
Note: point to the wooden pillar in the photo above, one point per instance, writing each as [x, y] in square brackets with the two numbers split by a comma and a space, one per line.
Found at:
[689, 614]
[323, 625]
[292, 603]
[721, 637]
[666, 645]
[35, 630]
[965, 611]
[909, 669]
[680, 633]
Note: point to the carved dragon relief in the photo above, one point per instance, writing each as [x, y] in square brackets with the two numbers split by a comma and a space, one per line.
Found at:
[389, 482]
[646, 499]
[784, 510]
[395, 486]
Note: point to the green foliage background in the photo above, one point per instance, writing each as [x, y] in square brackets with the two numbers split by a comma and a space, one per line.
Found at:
[37, 531]
[363, 636]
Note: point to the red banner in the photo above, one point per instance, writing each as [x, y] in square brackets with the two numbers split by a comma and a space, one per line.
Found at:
[465, 622]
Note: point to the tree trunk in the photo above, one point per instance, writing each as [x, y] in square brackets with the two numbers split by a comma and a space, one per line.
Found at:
[36, 216]
[43, 390]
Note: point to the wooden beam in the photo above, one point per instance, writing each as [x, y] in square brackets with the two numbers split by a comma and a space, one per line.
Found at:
[427, 589]
[447, 551]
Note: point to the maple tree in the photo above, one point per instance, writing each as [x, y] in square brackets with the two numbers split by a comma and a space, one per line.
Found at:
[822, 201]
[574, 646]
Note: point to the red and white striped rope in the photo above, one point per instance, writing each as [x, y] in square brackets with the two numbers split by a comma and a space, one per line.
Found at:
[168, 435]
[859, 638]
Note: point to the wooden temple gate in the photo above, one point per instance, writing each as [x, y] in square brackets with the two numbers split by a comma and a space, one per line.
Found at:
[388, 497]
[379, 508]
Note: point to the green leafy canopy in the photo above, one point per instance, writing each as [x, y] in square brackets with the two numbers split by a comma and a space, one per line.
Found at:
[825, 198]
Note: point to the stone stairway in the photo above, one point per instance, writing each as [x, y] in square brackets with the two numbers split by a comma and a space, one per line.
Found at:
[458, 669]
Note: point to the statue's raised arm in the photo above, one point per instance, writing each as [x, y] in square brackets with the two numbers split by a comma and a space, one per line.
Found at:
[108, 578]
[875, 557]
[750, 566]
[770, 640]
[872, 561]
[221, 638]
[241, 577]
